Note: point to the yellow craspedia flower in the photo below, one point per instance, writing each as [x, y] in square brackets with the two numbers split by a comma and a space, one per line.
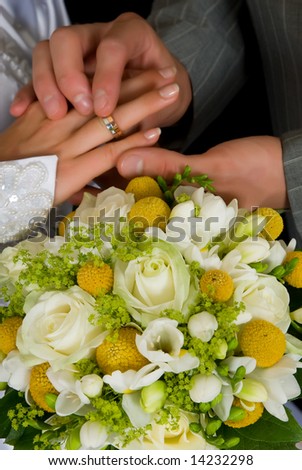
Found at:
[150, 212]
[64, 223]
[120, 354]
[253, 412]
[217, 284]
[40, 385]
[295, 277]
[95, 279]
[274, 225]
[144, 186]
[263, 341]
[8, 333]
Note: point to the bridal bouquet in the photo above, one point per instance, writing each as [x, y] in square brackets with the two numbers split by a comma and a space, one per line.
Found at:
[160, 317]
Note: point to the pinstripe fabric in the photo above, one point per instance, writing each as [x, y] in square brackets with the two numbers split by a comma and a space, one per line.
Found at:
[278, 26]
[205, 36]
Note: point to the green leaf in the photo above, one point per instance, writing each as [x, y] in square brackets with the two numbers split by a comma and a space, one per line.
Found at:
[268, 433]
[22, 439]
[8, 401]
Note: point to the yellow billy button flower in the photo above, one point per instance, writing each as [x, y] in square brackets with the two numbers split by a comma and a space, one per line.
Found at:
[143, 186]
[217, 284]
[40, 386]
[8, 333]
[274, 225]
[121, 353]
[95, 279]
[252, 412]
[263, 341]
[150, 212]
[64, 223]
[294, 278]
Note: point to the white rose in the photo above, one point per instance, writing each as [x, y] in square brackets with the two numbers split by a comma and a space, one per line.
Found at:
[112, 203]
[265, 299]
[180, 437]
[153, 282]
[57, 329]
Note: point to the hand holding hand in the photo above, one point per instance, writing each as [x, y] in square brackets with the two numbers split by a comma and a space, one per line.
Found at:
[85, 64]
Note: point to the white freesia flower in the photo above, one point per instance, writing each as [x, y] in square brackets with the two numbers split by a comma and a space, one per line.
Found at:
[202, 325]
[280, 384]
[93, 435]
[253, 249]
[74, 394]
[153, 282]
[161, 343]
[57, 329]
[130, 380]
[265, 299]
[278, 251]
[14, 371]
[214, 218]
[204, 388]
[172, 438]
[108, 206]
[251, 390]
[296, 315]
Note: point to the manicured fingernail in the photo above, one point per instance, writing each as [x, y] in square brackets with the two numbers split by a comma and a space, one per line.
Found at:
[152, 133]
[168, 72]
[132, 165]
[100, 100]
[169, 90]
[52, 105]
[83, 103]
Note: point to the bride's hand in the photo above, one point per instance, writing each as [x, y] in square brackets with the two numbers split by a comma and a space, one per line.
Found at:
[34, 134]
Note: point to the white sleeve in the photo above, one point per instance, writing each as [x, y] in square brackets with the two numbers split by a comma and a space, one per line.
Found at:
[27, 188]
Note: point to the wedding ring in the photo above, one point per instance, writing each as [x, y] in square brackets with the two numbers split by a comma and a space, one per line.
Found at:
[112, 126]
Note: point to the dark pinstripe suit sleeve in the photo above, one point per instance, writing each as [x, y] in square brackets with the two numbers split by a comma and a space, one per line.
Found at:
[204, 35]
[278, 26]
[292, 157]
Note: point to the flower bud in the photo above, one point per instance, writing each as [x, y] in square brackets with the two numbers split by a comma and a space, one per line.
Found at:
[73, 441]
[3, 385]
[93, 435]
[232, 442]
[50, 399]
[296, 315]
[202, 325]
[153, 396]
[213, 426]
[222, 350]
[236, 414]
[252, 391]
[92, 385]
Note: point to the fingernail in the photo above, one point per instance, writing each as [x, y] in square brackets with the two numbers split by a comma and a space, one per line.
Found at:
[169, 90]
[100, 99]
[83, 103]
[131, 166]
[152, 133]
[168, 72]
[52, 105]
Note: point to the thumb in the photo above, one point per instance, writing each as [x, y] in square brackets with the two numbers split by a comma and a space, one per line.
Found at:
[155, 161]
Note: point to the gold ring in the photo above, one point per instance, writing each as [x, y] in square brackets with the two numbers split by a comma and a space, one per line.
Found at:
[112, 126]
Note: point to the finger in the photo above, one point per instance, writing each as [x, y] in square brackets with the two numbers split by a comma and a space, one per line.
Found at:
[73, 175]
[127, 43]
[127, 116]
[155, 161]
[44, 82]
[24, 97]
[70, 49]
[144, 82]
